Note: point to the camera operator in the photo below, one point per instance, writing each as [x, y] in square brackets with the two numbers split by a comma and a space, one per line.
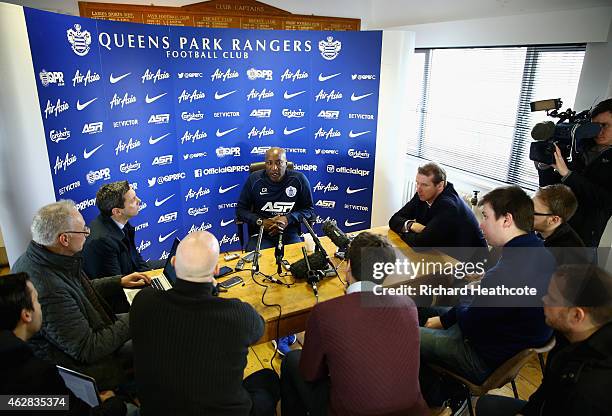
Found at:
[589, 177]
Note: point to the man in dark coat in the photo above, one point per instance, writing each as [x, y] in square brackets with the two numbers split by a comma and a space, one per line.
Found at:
[79, 330]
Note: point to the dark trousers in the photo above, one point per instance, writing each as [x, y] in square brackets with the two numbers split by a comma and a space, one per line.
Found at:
[300, 397]
[491, 405]
[264, 388]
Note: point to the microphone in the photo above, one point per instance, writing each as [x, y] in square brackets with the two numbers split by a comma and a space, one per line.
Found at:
[279, 252]
[543, 131]
[336, 235]
[316, 260]
[257, 250]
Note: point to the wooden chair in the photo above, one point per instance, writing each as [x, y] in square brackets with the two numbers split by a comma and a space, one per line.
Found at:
[505, 373]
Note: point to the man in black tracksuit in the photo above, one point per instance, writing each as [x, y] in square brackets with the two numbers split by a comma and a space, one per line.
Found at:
[589, 178]
[277, 199]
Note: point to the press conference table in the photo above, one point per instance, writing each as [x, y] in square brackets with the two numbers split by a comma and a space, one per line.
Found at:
[298, 299]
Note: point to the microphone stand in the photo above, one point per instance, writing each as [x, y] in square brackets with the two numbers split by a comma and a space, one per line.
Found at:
[255, 268]
[279, 253]
[318, 245]
[312, 275]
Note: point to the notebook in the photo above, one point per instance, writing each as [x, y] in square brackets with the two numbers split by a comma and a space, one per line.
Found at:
[84, 387]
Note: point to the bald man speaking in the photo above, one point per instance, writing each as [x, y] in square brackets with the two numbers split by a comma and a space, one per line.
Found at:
[277, 199]
[191, 347]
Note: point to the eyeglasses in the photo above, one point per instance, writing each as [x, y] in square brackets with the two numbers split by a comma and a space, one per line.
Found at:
[85, 231]
[541, 214]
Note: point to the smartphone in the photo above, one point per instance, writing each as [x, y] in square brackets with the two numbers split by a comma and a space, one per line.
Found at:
[286, 265]
[231, 256]
[232, 281]
[225, 270]
[249, 257]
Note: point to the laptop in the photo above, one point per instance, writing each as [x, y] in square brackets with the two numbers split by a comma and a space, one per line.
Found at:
[163, 281]
[83, 386]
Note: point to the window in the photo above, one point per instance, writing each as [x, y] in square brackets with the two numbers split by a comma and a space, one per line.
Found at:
[471, 110]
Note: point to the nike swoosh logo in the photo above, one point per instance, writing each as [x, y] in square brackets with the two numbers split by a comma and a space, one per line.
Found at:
[220, 96]
[361, 133]
[352, 191]
[223, 133]
[350, 224]
[164, 238]
[150, 100]
[224, 223]
[87, 154]
[84, 105]
[160, 203]
[295, 94]
[288, 132]
[325, 78]
[224, 190]
[359, 97]
[114, 80]
[153, 141]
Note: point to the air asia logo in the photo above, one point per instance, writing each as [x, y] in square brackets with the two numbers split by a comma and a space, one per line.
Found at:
[159, 119]
[162, 160]
[288, 132]
[332, 95]
[223, 76]
[195, 95]
[62, 164]
[159, 75]
[228, 151]
[255, 132]
[223, 114]
[189, 156]
[278, 207]
[261, 113]
[227, 205]
[198, 173]
[191, 116]
[293, 76]
[356, 207]
[229, 240]
[254, 74]
[144, 244]
[129, 167]
[363, 77]
[122, 101]
[191, 194]
[361, 116]
[326, 152]
[293, 113]
[188, 75]
[193, 137]
[142, 206]
[330, 48]
[160, 180]
[260, 150]
[326, 204]
[126, 147]
[69, 187]
[330, 187]
[259, 95]
[306, 168]
[358, 154]
[169, 217]
[47, 78]
[327, 134]
[194, 212]
[125, 123]
[329, 114]
[202, 227]
[57, 136]
[349, 171]
[79, 40]
[98, 175]
[93, 128]
[56, 109]
[89, 78]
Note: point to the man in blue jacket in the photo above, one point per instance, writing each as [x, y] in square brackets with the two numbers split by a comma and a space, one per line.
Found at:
[475, 338]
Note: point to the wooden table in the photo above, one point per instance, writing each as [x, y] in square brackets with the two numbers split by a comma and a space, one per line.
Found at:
[297, 300]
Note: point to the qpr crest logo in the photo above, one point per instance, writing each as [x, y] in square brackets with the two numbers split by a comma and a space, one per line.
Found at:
[330, 48]
[80, 40]
[291, 191]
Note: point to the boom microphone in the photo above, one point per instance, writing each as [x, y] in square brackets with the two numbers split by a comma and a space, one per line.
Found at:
[317, 261]
[336, 235]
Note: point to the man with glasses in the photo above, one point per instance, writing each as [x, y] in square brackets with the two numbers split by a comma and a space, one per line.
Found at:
[79, 330]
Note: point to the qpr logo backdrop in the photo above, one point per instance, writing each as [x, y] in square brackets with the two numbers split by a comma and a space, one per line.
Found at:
[184, 111]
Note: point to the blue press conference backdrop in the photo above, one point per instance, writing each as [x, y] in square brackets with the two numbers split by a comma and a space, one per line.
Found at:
[181, 112]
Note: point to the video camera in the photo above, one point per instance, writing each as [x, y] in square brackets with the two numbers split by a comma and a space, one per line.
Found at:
[568, 133]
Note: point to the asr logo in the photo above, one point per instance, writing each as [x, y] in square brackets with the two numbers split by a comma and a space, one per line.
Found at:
[79, 40]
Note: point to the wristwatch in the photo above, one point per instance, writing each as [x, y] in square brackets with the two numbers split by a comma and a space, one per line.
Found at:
[259, 222]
